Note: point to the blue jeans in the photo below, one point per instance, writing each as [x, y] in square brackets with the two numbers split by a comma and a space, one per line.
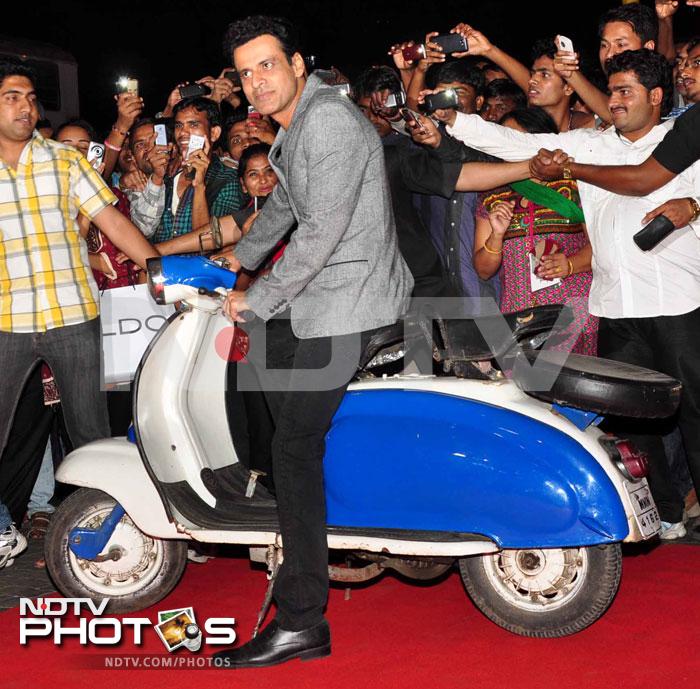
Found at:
[5, 518]
[73, 353]
[44, 486]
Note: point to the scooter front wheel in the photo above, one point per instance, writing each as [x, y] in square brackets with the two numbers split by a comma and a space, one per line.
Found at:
[137, 570]
[542, 592]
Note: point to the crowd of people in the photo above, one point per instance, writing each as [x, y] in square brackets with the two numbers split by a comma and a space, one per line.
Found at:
[480, 212]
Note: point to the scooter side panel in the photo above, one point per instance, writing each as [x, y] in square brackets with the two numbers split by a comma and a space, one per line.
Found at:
[421, 460]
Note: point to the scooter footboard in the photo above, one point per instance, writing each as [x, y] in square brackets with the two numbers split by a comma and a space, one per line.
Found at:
[114, 466]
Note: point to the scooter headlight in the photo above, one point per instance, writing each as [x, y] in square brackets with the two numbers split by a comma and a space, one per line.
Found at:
[156, 279]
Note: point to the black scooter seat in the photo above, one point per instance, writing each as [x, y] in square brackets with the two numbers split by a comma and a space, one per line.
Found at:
[598, 385]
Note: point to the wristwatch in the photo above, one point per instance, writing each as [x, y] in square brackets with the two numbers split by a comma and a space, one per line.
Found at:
[696, 208]
[566, 171]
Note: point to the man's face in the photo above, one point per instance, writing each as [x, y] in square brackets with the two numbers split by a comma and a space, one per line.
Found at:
[259, 178]
[269, 80]
[18, 109]
[546, 87]
[495, 107]
[239, 138]
[126, 162]
[380, 124]
[690, 75]
[678, 64]
[77, 137]
[191, 121]
[142, 141]
[631, 105]
[467, 100]
[616, 38]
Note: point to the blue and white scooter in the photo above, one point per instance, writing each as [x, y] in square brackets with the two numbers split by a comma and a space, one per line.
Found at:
[526, 495]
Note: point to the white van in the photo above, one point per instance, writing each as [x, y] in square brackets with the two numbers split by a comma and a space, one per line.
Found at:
[56, 72]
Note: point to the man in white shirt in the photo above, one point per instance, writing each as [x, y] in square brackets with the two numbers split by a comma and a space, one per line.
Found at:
[648, 302]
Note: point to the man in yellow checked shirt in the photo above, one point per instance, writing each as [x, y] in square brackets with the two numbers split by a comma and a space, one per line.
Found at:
[49, 304]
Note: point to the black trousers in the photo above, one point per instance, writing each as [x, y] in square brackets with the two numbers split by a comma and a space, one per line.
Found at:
[668, 344]
[302, 419]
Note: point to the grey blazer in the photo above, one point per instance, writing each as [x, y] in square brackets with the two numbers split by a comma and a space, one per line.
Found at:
[341, 271]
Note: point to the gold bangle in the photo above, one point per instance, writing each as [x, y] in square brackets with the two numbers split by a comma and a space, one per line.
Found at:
[571, 268]
[492, 251]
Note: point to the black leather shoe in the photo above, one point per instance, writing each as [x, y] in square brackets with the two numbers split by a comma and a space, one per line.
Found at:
[276, 645]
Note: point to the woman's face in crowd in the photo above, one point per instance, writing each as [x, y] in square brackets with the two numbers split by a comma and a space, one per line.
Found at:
[77, 137]
[259, 178]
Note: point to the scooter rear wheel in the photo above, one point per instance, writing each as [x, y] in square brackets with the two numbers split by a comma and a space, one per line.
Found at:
[544, 593]
[144, 569]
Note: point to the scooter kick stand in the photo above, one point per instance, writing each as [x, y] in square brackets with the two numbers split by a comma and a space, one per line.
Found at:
[274, 560]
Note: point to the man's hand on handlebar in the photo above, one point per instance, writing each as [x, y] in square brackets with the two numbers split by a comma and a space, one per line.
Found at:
[235, 306]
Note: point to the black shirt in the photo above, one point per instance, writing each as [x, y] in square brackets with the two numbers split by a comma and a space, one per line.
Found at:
[680, 148]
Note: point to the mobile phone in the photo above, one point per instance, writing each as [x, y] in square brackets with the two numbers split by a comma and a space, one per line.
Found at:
[653, 233]
[258, 202]
[564, 43]
[451, 43]
[441, 101]
[411, 53]
[193, 90]
[253, 113]
[233, 76]
[161, 135]
[409, 118]
[196, 144]
[96, 154]
[396, 99]
[128, 85]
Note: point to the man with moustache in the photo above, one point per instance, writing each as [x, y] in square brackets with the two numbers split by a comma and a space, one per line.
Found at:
[648, 303]
[49, 303]
[341, 277]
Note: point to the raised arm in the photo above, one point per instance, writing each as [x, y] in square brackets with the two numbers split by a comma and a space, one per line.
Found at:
[480, 45]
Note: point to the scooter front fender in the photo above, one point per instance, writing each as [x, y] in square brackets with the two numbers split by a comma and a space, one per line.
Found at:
[114, 466]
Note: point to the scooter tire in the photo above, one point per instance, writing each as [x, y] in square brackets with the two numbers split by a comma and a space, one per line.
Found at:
[61, 564]
[589, 600]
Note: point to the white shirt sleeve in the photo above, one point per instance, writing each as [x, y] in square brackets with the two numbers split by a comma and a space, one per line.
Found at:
[506, 143]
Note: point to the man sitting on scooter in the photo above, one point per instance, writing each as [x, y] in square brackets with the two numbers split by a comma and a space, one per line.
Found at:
[340, 277]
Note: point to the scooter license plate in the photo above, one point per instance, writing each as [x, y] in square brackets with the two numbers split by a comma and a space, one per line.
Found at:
[645, 513]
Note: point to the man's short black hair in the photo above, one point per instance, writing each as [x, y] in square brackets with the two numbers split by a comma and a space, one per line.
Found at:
[464, 71]
[76, 122]
[239, 115]
[143, 122]
[248, 153]
[543, 47]
[692, 43]
[242, 31]
[375, 79]
[641, 18]
[533, 120]
[505, 88]
[16, 68]
[652, 70]
[201, 104]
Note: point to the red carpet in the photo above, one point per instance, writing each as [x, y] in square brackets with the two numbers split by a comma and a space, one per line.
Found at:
[396, 634]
